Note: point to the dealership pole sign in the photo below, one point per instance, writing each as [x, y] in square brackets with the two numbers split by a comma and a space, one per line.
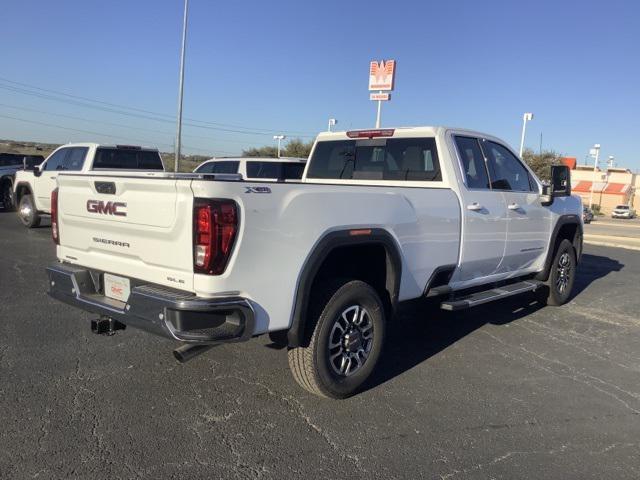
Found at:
[381, 79]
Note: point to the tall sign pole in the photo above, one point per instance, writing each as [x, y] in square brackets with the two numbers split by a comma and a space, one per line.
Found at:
[181, 87]
[381, 79]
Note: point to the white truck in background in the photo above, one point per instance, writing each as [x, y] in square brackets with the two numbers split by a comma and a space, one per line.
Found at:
[281, 169]
[33, 186]
[379, 217]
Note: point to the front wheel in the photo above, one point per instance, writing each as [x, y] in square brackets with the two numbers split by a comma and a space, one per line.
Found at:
[27, 212]
[348, 334]
[562, 275]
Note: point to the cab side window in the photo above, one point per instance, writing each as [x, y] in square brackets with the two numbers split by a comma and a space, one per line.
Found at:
[507, 172]
[473, 164]
[219, 167]
[75, 159]
[56, 161]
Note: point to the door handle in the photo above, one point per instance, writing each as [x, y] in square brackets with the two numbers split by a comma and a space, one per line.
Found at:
[474, 207]
[513, 206]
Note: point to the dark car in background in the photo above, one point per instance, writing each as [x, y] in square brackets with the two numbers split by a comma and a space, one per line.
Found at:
[587, 215]
[10, 163]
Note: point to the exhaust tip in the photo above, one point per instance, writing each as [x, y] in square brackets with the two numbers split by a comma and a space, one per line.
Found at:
[189, 351]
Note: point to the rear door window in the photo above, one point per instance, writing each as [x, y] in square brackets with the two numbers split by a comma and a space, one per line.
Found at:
[126, 159]
[473, 164]
[403, 159]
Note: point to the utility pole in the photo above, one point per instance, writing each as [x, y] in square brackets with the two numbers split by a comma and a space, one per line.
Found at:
[181, 87]
[279, 138]
[595, 153]
[379, 112]
[525, 118]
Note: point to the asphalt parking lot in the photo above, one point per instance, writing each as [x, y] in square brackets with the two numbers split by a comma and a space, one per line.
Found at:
[614, 232]
[508, 391]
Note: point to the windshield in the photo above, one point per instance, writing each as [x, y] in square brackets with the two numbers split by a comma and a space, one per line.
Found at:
[376, 159]
[127, 159]
[622, 207]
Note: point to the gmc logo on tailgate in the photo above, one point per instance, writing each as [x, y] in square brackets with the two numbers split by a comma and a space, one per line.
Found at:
[107, 208]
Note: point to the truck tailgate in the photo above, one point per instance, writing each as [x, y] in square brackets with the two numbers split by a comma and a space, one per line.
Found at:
[130, 225]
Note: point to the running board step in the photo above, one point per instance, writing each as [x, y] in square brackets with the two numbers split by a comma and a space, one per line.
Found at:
[487, 296]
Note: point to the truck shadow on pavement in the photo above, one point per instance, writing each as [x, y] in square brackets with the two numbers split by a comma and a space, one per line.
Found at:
[421, 330]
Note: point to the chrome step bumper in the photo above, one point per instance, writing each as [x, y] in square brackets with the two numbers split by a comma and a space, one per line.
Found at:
[170, 313]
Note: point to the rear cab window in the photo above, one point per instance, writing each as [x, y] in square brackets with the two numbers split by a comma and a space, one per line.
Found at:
[275, 170]
[111, 158]
[396, 159]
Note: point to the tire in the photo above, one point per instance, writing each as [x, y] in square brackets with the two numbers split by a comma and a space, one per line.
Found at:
[6, 196]
[27, 212]
[562, 275]
[349, 326]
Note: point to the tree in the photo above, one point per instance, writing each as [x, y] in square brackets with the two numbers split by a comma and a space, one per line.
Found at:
[294, 148]
[298, 148]
[541, 163]
[269, 152]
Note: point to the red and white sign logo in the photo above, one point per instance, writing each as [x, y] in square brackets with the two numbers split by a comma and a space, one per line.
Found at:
[381, 75]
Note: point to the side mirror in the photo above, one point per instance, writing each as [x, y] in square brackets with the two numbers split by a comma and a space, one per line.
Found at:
[36, 170]
[560, 181]
[560, 185]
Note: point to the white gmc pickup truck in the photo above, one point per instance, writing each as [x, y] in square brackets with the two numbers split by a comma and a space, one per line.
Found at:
[379, 217]
[33, 185]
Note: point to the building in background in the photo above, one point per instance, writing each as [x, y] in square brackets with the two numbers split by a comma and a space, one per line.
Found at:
[612, 186]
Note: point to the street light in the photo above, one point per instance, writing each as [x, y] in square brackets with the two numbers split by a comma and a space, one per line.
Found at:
[181, 87]
[595, 153]
[279, 138]
[332, 122]
[525, 118]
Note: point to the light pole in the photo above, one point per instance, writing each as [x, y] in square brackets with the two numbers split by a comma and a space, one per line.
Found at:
[525, 118]
[595, 153]
[611, 161]
[332, 122]
[279, 138]
[181, 87]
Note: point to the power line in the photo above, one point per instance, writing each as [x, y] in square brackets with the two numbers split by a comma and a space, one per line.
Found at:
[105, 135]
[117, 124]
[254, 130]
[119, 112]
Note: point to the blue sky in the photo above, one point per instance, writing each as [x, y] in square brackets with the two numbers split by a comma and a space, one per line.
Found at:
[288, 66]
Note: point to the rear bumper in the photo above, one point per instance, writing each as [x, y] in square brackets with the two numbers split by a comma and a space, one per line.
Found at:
[169, 313]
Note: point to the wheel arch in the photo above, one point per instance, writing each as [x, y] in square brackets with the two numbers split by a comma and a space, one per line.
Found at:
[21, 189]
[569, 227]
[322, 253]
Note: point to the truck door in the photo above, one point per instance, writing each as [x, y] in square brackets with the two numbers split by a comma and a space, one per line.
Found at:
[484, 213]
[528, 222]
[65, 159]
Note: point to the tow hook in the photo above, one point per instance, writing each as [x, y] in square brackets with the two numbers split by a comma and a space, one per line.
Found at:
[106, 326]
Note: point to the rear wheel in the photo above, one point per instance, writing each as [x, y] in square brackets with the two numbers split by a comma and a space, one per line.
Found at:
[6, 195]
[27, 212]
[562, 275]
[346, 343]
